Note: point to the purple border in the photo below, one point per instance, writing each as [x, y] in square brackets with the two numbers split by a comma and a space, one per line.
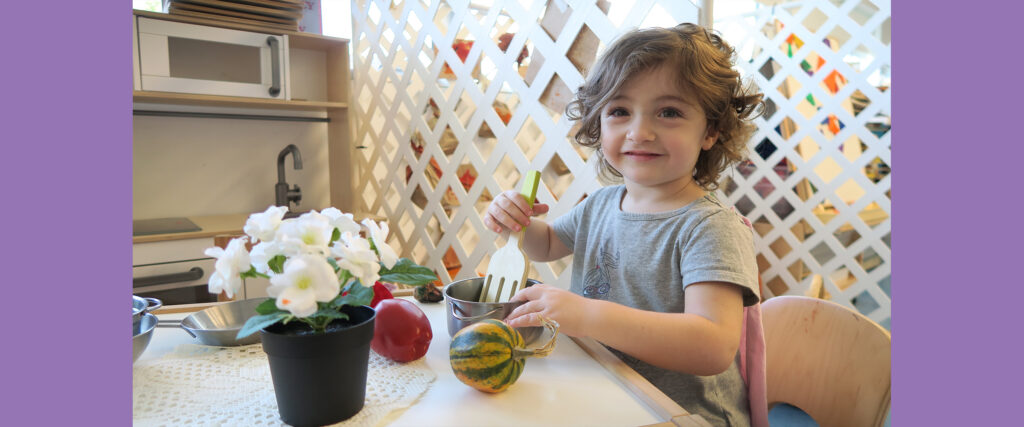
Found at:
[67, 170]
[957, 233]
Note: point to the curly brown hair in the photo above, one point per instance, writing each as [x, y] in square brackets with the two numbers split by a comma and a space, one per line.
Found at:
[705, 69]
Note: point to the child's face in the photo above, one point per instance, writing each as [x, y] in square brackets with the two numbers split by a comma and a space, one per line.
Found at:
[652, 132]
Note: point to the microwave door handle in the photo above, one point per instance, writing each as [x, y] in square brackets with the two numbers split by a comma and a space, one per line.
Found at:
[195, 273]
[275, 65]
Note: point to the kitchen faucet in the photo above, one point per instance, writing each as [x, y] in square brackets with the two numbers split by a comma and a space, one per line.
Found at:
[282, 195]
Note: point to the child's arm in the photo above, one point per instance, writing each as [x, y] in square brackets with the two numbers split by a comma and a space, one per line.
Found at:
[701, 341]
[509, 211]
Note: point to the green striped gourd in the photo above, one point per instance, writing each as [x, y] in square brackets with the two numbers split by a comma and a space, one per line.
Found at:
[489, 355]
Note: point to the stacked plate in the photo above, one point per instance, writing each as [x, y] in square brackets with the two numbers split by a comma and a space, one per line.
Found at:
[268, 14]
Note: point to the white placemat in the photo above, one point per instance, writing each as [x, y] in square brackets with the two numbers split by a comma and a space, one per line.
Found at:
[200, 385]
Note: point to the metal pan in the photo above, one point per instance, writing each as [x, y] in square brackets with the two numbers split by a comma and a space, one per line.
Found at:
[218, 325]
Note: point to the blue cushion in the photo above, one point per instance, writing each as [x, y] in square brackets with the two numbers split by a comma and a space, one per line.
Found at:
[783, 415]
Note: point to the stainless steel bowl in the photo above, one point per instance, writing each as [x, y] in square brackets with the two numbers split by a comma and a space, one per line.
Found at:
[218, 325]
[463, 308]
[142, 306]
[142, 332]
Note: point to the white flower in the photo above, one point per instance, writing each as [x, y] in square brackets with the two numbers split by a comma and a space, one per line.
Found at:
[262, 253]
[306, 280]
[357, 257]
[307, 234]
[342, 221]
[379, 234]
[231, 263]
[263, 226]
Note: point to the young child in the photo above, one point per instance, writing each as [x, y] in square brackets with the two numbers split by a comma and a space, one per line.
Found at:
[661, 269]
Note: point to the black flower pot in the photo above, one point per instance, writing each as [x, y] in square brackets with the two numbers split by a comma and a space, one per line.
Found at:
[318, 378]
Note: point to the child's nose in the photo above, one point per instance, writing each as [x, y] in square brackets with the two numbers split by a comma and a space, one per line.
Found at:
[640, 130]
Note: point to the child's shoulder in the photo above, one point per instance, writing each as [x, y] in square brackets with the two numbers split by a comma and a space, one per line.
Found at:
[715, 213]
[608, 191]
[605, 197]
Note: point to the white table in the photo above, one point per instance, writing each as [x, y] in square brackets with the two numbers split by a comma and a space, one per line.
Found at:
[579, 383]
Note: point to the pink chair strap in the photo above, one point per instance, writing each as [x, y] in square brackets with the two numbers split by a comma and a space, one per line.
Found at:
[752, 356]
[752, 365]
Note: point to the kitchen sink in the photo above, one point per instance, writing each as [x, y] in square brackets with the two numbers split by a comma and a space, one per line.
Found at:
[145, 227]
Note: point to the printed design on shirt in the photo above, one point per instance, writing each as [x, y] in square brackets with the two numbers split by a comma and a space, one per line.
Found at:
[596, 282]
[743, 219]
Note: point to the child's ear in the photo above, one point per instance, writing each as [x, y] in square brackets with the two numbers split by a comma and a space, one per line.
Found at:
[710, 138]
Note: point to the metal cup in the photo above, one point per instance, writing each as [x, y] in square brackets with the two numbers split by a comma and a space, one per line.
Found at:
[141, 306]
[463, 308]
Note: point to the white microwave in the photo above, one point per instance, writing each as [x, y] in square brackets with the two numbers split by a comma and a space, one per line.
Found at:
[196, 59]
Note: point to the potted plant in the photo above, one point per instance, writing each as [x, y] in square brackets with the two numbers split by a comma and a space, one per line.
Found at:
[316, 326]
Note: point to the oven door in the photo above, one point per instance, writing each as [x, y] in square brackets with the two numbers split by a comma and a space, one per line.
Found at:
[181, 282]
[186, 58]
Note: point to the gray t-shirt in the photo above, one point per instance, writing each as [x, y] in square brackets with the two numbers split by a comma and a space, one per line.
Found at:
[645, 261]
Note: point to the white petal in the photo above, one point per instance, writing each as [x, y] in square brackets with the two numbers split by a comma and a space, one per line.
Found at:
[342, 221]
[299, 302]
[387, 255]
[263, 226]
[221, 283]
[260, 256]
[215, 252]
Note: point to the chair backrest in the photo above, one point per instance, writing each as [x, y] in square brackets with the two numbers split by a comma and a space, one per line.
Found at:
[828, 360]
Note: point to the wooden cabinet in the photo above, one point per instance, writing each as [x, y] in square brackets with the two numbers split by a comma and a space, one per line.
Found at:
[317, 80]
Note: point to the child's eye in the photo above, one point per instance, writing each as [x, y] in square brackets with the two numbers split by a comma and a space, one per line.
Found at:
[671, 112]
[617, 112]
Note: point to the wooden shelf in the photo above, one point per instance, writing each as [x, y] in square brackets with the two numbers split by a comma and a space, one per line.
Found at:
[233, 101]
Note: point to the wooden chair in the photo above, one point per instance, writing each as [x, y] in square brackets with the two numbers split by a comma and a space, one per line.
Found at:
[831, 362]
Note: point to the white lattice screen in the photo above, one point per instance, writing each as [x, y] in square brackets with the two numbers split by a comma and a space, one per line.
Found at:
[454, 100]
[818, 184]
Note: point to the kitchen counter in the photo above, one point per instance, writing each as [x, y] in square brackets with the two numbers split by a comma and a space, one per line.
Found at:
[216, 225]
[212, 225]
[579, 383]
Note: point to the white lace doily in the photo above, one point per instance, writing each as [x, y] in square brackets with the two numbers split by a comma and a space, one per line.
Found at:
[200, 385]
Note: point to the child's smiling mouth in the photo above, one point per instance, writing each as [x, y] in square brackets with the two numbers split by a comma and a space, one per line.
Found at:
[641, 155]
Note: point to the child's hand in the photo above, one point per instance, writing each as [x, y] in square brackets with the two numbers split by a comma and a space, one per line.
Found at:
[510, 212]
[566, 308]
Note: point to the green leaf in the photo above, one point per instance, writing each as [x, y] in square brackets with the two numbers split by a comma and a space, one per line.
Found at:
[357, 295]
[252, 273]
[256, 323]
[268, 306]
[335, 235]
[407, 272]
[277, 263]
[344, 276]
[331, 313]
[333, 262]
